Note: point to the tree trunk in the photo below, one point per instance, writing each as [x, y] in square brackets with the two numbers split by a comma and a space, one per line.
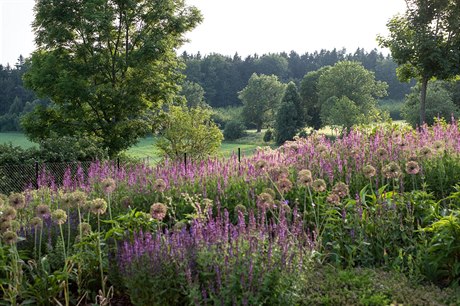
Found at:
[423, 100]
[259, 128]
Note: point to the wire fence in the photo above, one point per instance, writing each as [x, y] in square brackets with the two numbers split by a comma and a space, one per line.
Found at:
[17, 177]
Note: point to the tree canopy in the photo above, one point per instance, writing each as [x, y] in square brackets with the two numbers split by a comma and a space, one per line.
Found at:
[261, 97]
[107, 66]
[190, 131]
[425, 42]
[348, 84]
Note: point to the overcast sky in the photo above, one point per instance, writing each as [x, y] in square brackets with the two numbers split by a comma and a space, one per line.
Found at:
[245, 26]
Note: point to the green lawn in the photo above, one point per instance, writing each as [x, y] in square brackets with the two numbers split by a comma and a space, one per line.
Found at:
[17, 139]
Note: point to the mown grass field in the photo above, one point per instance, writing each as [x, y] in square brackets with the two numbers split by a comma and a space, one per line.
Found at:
[146, 149]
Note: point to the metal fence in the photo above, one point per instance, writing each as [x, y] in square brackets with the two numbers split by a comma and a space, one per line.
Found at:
[17, 177]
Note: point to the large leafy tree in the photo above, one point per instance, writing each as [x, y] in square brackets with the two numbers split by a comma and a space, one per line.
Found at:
[352, 81]
[107, 65]
[439, 103]
[309, 96]
[425, 42]
[261, 97]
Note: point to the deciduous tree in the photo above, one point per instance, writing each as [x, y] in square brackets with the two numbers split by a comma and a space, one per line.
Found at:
[261, 97]
[425, 42]
[107, 65]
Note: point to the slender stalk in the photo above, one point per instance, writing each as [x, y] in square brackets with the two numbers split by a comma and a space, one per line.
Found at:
[100, 253]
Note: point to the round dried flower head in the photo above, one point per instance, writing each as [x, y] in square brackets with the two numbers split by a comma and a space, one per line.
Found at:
[85, 229]
[42, 211]
[108, 185]
[66, 200]
[261, 164]
[270, 192]
[36, 222]
[319, 185]
[265, 200]
[340, 189]
[333, 199]
[78, 198]
[98, 206]
[240, 208]
[438, 145]
[9, 237]
[180, 225]
[158, 211]
[321, 148]
[5, 225]
[426, 152]
[17, 200]
[280, 172]
[59, 216]
[305, 180]
[304, 172]
[382, 153]
[369, 171]
[284, 185]
[403, 144]
[392, 170]
[412, 167]
[126, 201]
[159, 185]
[9, 213]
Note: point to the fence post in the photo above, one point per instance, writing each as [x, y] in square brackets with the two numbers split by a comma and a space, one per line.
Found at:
[239, 155]
[118, 163]
[185, 161]
[36, 174]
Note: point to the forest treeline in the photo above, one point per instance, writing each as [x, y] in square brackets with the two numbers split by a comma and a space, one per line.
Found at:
[221, 77]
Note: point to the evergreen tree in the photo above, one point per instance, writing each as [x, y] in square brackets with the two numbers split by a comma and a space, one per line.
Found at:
[292, 94]
[286, 122]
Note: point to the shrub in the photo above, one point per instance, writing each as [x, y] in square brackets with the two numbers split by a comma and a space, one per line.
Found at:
[268, 136]
[234, 130]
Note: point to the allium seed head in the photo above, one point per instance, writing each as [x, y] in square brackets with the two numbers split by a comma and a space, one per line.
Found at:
[158, 211]
[412, 167]
[85, 228]
[98, 206]
[333, 199]
[369, 171]
[10, 237]
[319, 185]
[284, 185]
[426, 152]
[108, 185]
[340, 189]
[36, 222]
[42, 211]
[17, 200]
[265, 201]
[59, 216]
[261, 164]
[392, 170]
[9, 213]
[159, 185]
[382, 153]
[240, 208]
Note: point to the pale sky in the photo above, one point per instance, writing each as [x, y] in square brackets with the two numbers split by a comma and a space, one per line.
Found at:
[245, 26]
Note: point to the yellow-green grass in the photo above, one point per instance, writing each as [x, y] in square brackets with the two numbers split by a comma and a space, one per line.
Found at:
[16, 139]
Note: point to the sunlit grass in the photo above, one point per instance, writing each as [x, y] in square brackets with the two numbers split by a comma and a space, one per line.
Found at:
[16, 139]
